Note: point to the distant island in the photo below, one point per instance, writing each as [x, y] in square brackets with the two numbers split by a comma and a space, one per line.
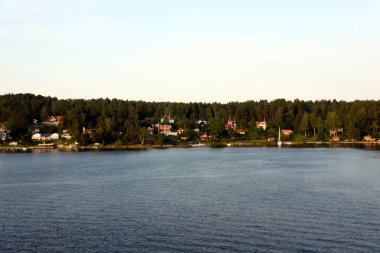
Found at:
[28, 120]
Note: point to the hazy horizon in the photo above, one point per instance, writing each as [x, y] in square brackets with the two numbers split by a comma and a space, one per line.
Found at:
[199, 51]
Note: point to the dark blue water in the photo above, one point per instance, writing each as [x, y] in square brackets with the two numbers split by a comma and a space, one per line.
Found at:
[191, 200]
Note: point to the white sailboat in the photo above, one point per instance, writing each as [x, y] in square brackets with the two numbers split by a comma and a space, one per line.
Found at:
[279, 142]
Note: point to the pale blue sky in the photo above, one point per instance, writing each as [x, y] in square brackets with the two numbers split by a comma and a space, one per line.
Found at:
[214, 50]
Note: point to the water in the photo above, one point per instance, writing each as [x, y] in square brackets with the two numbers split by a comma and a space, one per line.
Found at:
[192, 200]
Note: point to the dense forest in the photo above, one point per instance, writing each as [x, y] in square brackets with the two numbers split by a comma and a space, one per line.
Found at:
[127, 122]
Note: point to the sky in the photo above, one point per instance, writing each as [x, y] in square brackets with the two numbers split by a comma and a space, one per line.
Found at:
[184, 51]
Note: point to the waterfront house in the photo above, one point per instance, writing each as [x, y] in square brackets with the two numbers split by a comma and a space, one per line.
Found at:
[65, 136]
[196, 130]
[53, 120]
[164, 128]
[36, 136]
[261, 124]
[240, 131]
[44, 137]
[201, 122]
[171, 133]
[206, 137]
[368, 138]
[286, 132]
[4, 132]
[230, 124]
[54, 136]
[3, 136]
[180, 131]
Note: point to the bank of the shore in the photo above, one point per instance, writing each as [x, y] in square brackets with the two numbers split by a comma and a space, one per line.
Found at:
[75, 148]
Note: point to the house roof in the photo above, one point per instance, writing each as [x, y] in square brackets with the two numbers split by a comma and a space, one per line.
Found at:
[55, 118]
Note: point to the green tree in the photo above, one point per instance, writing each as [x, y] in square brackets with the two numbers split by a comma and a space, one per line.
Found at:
[304, 125]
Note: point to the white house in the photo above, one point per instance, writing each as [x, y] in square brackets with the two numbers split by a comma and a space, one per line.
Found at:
[36, 137]
[201, 122]
[65, 136]
[54, 136]
[45, 137]
[3, 136]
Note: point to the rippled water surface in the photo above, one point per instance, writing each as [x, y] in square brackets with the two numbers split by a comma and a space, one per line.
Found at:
[192, 200]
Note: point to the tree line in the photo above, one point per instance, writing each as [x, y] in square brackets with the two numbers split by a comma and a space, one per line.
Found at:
[127, 121]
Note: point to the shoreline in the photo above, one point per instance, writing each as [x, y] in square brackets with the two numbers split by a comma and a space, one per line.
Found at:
[137, 147]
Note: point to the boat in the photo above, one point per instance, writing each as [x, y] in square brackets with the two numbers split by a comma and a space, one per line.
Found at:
[46, 145]
[279, 142]
[197, 145]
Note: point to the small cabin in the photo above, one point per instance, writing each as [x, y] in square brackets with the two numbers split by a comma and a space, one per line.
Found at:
[286, 132]
[369, 138]
[240, 131]
[261, 124]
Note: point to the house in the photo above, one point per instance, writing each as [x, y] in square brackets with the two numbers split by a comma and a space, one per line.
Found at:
[368, 138]
[164, 128]
[196, 130]
[180, 131]
[240, 131]
[36, 136]
[230, 124]
[13, 143]
[336, 131]
[206, 137]
[65, 136]
[3, 136]
[167, 130]
[201, 122]
[286, 132]
[171, 133]
[167, 119]
[44, 137]
[54, 136]
[4, 132]
[53, 120]
[150, 130]
[261, 124]
[335, 139]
